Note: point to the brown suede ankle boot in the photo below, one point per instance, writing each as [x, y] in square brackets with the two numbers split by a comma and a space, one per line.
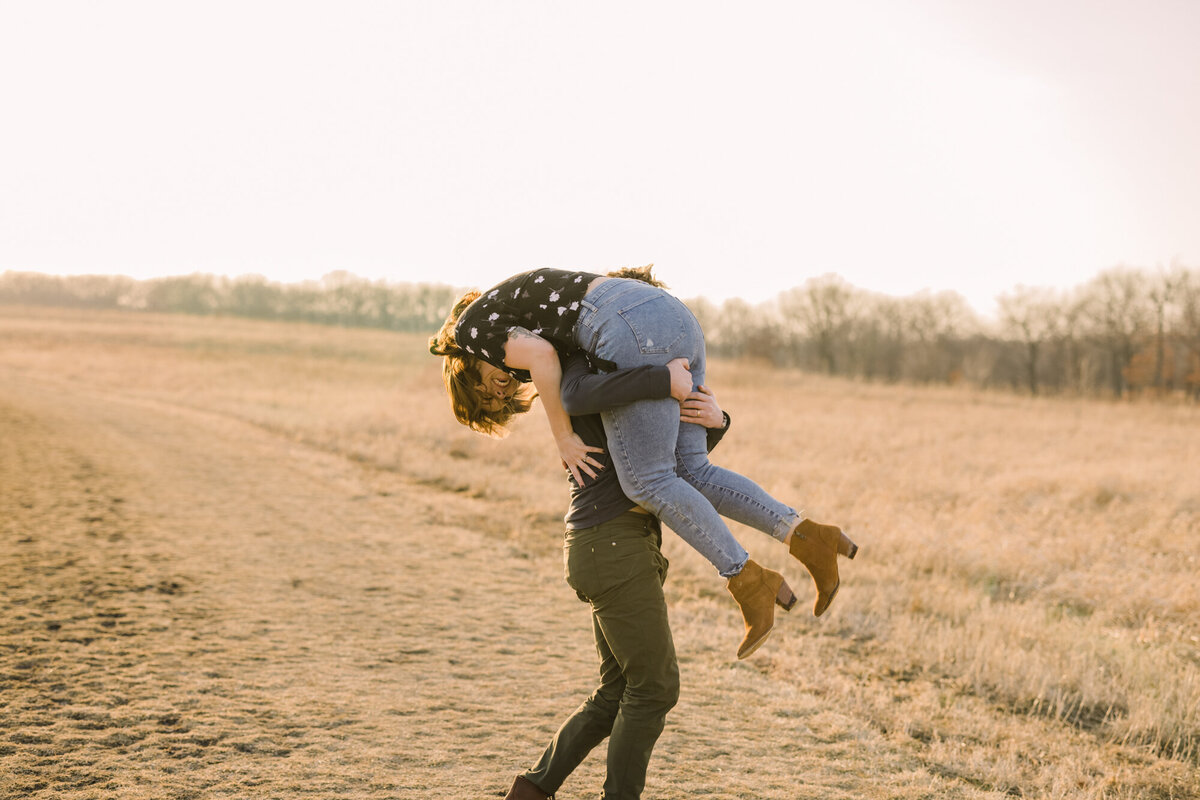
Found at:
[756, 591]
[817, 548]
[525, 789]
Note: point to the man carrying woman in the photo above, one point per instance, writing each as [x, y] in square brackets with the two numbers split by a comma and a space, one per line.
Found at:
[614, 562]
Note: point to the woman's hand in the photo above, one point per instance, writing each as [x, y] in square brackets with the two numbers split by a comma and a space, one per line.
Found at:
[576, 456]
[701, 408]
[681, 378]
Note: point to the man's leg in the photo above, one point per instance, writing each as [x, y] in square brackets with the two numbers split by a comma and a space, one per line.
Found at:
[632, 616]
[587, 727]
[619, 569]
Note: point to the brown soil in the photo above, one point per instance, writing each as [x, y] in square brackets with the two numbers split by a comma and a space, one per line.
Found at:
[196, 608]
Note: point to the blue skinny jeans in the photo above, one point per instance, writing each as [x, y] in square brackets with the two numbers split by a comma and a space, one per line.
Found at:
[662, 463]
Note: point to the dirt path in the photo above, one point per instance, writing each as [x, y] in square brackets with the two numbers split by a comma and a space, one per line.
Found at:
[194, 607]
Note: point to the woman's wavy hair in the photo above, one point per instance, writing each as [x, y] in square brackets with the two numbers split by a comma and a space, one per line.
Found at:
[460, 373]
[460, 369]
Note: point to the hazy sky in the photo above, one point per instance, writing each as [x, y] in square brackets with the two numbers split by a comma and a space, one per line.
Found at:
[742, 147]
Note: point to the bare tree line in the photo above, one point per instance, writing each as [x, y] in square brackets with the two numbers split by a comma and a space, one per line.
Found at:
[1127, 331]
[339, 298]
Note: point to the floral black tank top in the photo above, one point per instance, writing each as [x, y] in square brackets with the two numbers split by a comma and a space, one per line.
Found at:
[544, 302]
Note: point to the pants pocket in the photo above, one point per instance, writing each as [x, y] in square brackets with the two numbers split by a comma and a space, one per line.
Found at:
[597, 568]
[580, 570]
[656, 323]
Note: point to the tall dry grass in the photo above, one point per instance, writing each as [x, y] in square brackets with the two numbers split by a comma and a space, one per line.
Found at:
[1025, 609]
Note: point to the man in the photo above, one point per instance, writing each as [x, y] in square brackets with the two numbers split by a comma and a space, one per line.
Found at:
[614, 562]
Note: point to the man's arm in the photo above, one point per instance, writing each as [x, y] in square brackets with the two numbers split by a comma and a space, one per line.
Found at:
[586, 392]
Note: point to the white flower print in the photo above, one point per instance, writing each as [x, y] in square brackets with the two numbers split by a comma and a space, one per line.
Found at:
[554, 296]
[494, 316]
[486, 354]
[575, 306]
[562, 310]
[539, 279]
[578, 278]
[474, 333]
[492, 294]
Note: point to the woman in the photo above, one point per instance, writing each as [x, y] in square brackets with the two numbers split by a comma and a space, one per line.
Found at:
[496, 342]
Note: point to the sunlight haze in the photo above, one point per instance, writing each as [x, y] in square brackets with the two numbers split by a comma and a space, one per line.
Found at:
[905, 146]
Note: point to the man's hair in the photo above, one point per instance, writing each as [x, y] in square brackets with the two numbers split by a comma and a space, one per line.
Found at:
[642, 274]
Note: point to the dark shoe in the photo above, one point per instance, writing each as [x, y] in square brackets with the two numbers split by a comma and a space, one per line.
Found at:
[525, 789]
[757, 591]
[817, 548]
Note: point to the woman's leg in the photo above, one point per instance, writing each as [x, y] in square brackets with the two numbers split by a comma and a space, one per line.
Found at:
[630, 323]
[641, 441]
[816, 546]
[733, 495]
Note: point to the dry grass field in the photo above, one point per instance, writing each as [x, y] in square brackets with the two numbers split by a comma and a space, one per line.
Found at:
[254, 560]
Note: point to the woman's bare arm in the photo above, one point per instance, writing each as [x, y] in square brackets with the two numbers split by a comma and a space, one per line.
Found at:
[528, 351]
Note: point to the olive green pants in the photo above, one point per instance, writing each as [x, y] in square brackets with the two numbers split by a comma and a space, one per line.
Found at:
[619, 569]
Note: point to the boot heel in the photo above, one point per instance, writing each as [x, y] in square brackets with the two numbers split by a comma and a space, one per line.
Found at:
[785, 598]
[847, 548]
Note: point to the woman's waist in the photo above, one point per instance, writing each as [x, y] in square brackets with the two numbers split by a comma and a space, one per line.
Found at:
[605, 289]
[608, 295]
